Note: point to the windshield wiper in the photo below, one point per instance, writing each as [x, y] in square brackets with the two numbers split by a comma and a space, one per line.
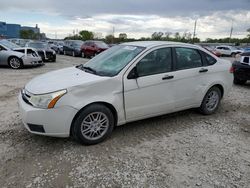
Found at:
[86, 69]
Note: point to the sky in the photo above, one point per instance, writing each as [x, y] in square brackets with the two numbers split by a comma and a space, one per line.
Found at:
[137, 18]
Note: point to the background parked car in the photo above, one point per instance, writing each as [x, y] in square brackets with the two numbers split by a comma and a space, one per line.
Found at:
[20, 42]
[246, 49]
[241, 68]
[72, 47]
[45, 52]
[17, 57]
[57, 46]
[228, 50]
[92, 48]
[212, 50]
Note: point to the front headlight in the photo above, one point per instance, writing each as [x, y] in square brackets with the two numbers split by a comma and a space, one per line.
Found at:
[46, 100]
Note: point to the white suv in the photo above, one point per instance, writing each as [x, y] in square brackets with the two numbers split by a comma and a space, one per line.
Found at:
[128, 82]
[228, 50]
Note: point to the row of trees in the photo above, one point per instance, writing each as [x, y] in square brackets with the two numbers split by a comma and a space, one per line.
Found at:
[167, 36]
[88, 35]
[29, 34]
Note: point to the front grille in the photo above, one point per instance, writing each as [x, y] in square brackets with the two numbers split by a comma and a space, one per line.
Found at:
[36, 128]
[49, 55]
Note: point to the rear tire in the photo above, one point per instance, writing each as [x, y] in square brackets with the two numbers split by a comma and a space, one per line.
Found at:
[211, 101]
[93, 125]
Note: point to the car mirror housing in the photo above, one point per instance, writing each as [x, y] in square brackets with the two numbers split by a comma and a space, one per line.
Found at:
[133, 74]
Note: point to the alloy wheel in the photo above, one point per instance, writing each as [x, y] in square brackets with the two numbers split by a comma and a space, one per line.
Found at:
[212, 100]
[94, 125]
[15, 63]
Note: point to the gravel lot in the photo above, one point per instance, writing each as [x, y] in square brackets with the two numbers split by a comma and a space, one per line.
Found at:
[184, 149]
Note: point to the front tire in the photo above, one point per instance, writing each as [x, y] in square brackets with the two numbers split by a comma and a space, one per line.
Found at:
[15, 63]
[93, 125]
[211, 101]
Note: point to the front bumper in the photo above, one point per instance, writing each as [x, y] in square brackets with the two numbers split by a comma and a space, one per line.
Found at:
[55, 122]
[32, 60]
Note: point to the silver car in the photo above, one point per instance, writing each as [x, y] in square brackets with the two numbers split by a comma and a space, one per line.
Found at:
[16, 57]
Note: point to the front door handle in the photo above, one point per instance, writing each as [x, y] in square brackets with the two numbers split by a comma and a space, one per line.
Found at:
[203, 70]
[167, 77]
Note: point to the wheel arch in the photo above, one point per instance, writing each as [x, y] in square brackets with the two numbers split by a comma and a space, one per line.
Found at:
[14, 56]
[108, 105]
[220, 86]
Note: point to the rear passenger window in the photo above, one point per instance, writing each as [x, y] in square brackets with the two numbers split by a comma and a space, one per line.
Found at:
[187, 58]
[209, 59]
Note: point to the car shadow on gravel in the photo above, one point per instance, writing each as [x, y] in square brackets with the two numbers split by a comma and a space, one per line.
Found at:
[128, 134]
[155, 128]
[26, 67]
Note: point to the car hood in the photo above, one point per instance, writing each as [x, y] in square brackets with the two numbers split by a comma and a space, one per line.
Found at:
[61, 79]
[15, 53]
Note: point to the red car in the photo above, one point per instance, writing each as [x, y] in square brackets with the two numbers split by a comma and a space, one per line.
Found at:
[92, 48]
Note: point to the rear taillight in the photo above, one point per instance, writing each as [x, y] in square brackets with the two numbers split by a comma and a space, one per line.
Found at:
[232, 69]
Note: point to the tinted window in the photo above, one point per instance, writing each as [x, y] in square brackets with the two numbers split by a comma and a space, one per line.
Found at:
[157, 61]
[88, 43]
[210, 60]
[101, 44]
[246, 60]
[187, 58]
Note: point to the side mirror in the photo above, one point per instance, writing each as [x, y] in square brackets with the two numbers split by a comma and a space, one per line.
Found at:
[133, 74]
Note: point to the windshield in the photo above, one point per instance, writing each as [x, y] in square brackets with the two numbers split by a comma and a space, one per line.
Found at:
[77, 43]
[37, 45]
[9, 44]
[113, 60]
[101, 45]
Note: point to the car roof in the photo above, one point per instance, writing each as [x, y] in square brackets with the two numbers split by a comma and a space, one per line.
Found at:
[151, 44]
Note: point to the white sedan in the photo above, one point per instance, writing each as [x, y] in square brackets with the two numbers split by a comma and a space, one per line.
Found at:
[128, 82]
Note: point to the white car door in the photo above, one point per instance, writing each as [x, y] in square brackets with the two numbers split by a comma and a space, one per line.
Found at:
[188, 82]
[152, 92]
[227, 51]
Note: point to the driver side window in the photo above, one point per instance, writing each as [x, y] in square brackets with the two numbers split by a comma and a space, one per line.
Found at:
[156, 62]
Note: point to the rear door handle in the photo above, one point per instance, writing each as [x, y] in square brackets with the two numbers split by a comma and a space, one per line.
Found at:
[203, 70]
[167, 77]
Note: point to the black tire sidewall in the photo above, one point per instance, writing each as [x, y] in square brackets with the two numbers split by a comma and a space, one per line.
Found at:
[203, 108]
[76, 131]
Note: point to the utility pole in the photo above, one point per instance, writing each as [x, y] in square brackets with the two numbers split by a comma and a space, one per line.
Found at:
[113, 35]
[195, 23]
[231, 32]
